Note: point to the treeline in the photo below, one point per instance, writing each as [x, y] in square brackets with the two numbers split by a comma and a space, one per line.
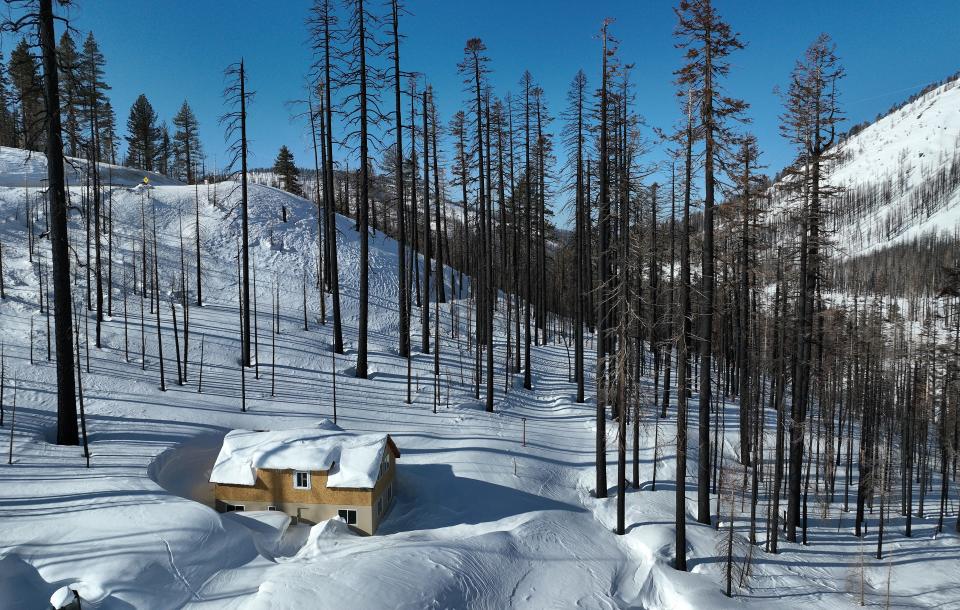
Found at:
[912, 270]
[950, 81]
[87, 116]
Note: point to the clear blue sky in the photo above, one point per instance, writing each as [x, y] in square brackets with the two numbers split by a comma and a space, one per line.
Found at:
[175, 49]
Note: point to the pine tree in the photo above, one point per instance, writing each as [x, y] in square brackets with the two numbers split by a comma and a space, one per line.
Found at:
[707, 41]
[473, 68]
[359, 74]
[8, 119]
[574, 137]
[404, 291]
[96, 107]
[603, 300]
[186, 144]
[323, 29]
[109, 140]
[286, 169]
[25, 78]
[237, 96]
[810, 122]
[528, 88]
[68, 62]
[143, 135]
[67, 428]
[165, 151]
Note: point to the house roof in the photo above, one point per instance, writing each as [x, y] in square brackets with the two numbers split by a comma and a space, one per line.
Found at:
[353, 460]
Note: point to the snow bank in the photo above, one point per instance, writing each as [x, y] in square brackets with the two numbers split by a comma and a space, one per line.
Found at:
[353, 460]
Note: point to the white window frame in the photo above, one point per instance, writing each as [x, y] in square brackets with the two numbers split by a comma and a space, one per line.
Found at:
[271, 507]
[296, 479]
[346, 518]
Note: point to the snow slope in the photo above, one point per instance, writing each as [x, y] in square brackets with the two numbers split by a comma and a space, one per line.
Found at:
[492, 510]
[892, 166]
[24, 168]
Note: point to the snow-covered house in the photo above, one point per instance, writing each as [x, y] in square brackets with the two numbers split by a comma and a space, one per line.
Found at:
[312, 474]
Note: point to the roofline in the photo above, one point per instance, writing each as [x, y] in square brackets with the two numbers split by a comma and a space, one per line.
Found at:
[393, 446]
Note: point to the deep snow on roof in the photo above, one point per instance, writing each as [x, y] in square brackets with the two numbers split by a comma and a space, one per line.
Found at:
[352, 459]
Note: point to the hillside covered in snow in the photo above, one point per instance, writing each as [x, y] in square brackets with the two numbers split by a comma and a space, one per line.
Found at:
[24, 168]
[897, 178]
[492, 510]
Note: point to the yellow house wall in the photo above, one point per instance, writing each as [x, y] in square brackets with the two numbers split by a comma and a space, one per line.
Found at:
[275, 488]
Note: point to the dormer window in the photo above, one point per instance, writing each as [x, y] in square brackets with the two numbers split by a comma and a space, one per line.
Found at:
[301, 480]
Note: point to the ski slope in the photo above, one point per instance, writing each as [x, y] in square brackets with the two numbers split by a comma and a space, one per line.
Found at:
[493, 510]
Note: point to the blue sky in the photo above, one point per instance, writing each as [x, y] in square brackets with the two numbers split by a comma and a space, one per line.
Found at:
[174, 50]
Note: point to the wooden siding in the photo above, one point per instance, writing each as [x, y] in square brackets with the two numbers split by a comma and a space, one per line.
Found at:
[275, 488]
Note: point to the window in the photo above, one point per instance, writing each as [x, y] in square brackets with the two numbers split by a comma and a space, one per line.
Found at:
[384, 463]
[348, 515]
[271, 508]
[301, 480]
[230, 508]
[380, 506]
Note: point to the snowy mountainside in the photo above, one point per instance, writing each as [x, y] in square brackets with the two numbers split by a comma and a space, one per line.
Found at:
[899, 176]
[26, 168]
[493, 510]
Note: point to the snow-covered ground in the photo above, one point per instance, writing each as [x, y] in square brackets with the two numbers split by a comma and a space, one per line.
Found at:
[482, 519]
[21, 169]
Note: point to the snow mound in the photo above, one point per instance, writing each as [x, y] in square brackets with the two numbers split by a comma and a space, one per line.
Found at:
[66, 597]
[353, 460]
[324, 536]
[268, 529]
[21, 585]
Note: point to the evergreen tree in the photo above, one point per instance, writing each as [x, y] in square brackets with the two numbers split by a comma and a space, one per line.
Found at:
[26, 83]
[8, 119]
[165, 150]
[143, 135]
[108, 134]
[98, 114]
[287, 171]
[186, 143]
[68, 63]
